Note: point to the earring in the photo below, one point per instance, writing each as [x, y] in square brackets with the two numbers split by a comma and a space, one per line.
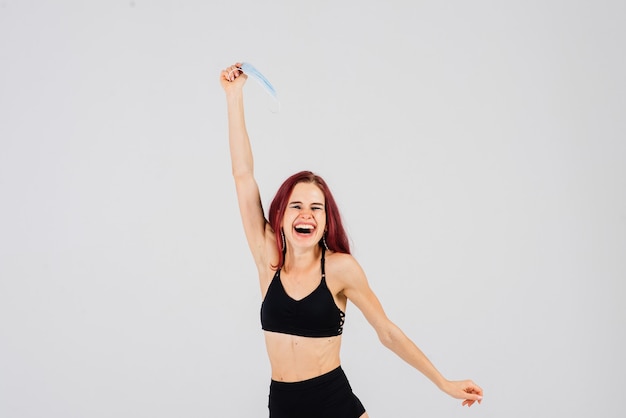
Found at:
[324, 241]
[282, 235]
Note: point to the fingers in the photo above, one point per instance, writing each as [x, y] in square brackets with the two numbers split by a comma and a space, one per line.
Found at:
[475, 389]
[232, 72]
[474, 393]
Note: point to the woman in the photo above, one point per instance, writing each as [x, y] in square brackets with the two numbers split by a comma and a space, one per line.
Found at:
[307, 275]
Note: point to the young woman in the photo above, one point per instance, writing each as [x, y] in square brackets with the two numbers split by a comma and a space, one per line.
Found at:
[307, 275]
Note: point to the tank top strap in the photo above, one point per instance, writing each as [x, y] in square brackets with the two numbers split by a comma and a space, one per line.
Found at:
[323, 264]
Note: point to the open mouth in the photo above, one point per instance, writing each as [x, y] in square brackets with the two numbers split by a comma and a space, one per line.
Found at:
[304, 229]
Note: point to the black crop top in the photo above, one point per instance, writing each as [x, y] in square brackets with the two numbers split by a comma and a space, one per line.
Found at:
[315, 315]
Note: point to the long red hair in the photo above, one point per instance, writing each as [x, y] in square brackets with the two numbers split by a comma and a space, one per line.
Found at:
[336, 237]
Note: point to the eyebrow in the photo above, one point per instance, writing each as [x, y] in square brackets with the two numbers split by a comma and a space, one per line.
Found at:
[312, 204]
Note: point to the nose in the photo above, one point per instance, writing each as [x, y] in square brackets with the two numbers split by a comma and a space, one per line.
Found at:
[306, 213]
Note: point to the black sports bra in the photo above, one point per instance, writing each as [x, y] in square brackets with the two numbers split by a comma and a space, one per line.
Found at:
[315, 315]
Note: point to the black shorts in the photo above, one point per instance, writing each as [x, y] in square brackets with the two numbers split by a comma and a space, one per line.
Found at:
[325, 396]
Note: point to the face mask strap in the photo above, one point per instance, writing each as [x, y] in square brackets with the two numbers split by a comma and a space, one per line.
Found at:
[233, 70]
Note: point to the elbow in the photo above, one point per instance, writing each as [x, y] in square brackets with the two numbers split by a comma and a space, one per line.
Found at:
[242, 167]
[388, 335]
[240, 174]
[386, 339]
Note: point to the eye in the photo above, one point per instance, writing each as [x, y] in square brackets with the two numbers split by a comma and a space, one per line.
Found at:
[295, 206]
[317, 208]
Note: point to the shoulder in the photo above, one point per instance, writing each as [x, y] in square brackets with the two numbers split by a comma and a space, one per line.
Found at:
[341, 261]
[344, 268]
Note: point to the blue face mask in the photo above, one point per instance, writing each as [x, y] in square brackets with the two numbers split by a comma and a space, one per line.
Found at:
[254, 73]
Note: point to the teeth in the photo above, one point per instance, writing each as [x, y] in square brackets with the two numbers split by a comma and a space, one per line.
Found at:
[304, 226]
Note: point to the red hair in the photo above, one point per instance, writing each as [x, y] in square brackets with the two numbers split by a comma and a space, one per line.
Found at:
[336, 237]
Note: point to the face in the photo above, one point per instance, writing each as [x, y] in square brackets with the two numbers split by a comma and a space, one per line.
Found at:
[304, 222]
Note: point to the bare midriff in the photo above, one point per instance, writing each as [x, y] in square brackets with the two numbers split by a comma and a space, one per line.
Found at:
[294, 358]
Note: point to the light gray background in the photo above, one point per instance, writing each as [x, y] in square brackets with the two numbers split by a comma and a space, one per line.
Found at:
[476, 150]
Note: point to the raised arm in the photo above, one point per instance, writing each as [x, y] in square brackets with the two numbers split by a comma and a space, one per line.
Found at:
[356, 288]
[255, 226]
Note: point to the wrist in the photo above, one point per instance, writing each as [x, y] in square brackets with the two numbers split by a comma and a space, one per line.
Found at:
[234, 94]
[443, 384]
[234, 100]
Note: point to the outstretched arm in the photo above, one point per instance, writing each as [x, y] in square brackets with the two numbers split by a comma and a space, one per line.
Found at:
[391, 336]
[254, 223]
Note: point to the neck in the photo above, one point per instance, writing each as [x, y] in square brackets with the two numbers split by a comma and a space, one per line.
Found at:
[296, 260]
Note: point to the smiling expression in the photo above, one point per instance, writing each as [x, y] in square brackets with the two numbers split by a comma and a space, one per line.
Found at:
[305, 216]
